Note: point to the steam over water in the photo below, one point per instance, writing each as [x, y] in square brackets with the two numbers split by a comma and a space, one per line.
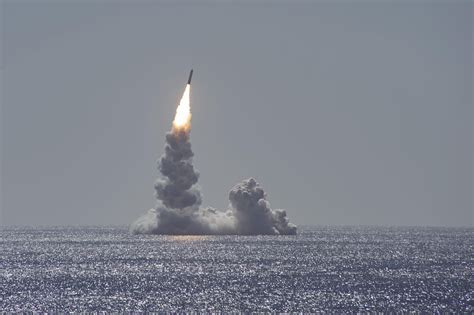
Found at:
[335, 269]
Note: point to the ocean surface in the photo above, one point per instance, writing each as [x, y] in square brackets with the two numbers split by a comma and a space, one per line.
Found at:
[337, 269]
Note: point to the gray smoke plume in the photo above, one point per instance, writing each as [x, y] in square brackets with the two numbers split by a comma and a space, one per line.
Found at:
[176, 190]
[252, 211]
[178, 208]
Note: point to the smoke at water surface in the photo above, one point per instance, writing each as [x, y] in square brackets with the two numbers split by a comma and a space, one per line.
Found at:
[179, 211]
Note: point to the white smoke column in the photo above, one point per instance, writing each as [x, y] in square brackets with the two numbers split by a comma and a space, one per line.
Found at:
[178, 208]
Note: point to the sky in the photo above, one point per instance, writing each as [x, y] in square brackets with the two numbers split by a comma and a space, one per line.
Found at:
[347, 113]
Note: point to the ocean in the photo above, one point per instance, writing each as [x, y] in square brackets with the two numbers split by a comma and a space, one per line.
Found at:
[334, 269]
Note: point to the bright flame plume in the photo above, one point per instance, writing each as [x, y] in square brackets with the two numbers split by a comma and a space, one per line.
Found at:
[182, 119]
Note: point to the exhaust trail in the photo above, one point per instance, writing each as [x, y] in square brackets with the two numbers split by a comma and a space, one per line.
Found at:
[178, 209]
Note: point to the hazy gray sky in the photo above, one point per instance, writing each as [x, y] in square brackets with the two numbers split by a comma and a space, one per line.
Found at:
[346, 113]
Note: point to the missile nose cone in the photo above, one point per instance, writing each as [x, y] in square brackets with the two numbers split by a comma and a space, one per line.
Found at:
[190, 76]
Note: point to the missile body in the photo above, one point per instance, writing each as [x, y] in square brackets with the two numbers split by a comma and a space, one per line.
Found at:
[190, 76]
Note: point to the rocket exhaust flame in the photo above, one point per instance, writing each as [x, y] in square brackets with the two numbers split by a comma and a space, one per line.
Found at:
[178, 210]
[182, 119]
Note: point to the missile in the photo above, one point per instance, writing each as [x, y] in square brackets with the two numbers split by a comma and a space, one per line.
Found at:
[190, 76]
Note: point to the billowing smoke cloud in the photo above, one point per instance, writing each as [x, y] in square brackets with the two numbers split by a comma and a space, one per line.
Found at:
[176, 190]
[179, 210]
[252, 211]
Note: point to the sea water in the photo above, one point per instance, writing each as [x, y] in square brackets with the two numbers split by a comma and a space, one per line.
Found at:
[337, 269]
